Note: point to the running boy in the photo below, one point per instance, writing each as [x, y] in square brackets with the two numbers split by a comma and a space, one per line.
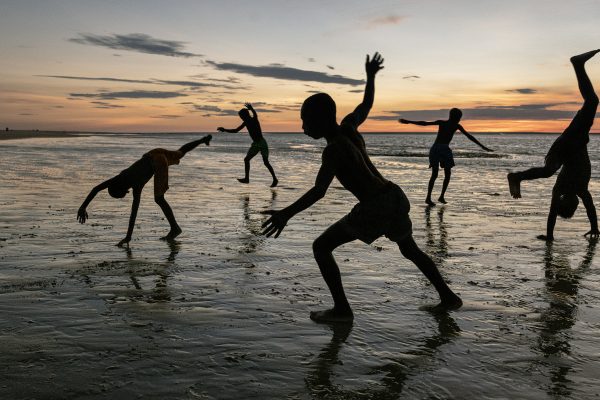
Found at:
[568, 151]
[154, 163]
[441, 153]
[382, 209]
[259, 144]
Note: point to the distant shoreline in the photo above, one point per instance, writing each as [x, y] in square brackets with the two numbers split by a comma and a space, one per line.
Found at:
[30, 134]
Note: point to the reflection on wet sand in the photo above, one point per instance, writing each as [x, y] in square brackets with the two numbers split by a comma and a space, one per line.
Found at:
[438, 250]
[253, 240]
[320, 380]
[561, 284]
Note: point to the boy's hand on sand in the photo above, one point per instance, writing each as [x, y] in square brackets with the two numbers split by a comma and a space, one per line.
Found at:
[208, 139]
[593, 233]
[545, 238]
[275, 224]
[82, 215]
[124, 242]
[373, 65]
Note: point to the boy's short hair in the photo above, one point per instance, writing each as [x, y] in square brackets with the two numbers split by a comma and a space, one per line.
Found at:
[319, 106]
[455, 113]
[118, 188]
[567, 204]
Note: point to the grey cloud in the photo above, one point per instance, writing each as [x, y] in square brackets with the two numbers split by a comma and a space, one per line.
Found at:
[137, 42]
[330, 66]
[537, 112]
[190, 84]
[310, 59]
[387, 20]
[279, 71]
[167, 116]
[103, 104]
[355, 91]
[133, 94]
[411, 77]
[523, 91]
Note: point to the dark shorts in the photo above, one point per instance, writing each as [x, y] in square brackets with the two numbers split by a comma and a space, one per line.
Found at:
[260, 146]
[385, 214]
[441, 154]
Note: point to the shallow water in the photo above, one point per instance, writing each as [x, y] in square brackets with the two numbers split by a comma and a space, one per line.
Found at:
[222, 313]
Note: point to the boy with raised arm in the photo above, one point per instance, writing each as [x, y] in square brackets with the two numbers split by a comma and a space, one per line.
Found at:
[440, 152]
[154, 163]
[382, 209]
[259, 144]
[568, 151]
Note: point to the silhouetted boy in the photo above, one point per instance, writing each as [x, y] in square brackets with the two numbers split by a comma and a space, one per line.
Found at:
[569, 150]
[259, 144]
[441, 153]
[154, 163]
[382, 209]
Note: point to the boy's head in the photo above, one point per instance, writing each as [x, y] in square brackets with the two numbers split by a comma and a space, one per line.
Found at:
[118, 187]
[318, 115]
[455, 114]
[567, 204]
[244, 114]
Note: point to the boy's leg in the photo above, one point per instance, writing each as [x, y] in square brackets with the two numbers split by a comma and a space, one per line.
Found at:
[410, 250]
[270, 168]
[166, 209]
[583, 81]
[515, 178]
[447, 174]
[335, 236]
[192, 145]
[252, 151]
[434, 174]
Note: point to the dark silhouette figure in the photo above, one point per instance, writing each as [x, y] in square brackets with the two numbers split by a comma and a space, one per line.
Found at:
[568, 151]
[561, 290]
[383, 207]
[440, 154]
[154, 163]
[259, 144]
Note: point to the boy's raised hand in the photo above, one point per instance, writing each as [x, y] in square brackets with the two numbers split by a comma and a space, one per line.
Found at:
[248, 106]
[373, 65]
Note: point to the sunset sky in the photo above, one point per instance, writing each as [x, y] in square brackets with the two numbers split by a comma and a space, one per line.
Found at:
[158, 66]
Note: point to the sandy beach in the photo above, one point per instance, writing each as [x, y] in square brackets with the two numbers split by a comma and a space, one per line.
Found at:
[222, 312]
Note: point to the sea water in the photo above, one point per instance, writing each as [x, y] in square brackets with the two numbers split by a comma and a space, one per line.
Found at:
[222, 312]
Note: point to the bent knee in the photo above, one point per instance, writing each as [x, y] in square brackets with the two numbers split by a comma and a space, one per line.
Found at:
[320, 246]
[159, 198]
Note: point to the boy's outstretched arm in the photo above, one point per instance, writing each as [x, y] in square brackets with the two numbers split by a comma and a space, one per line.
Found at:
[586, 197]
[279, 219]
[552, 214]
[360, 113]
[235, 130]
[472, 138]
[82, 214]
[192, 145]
[421, 123]
[137, 194]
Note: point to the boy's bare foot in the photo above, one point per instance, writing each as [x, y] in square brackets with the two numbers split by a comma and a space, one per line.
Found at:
[275, 182]
[582, 58]
[429, 202]
[514, 185]
[243, 180]
[173, 234]
[332, 315]
[442, 200]
[451, 303]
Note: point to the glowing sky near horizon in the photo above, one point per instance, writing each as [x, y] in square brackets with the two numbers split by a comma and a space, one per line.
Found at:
[156, 66]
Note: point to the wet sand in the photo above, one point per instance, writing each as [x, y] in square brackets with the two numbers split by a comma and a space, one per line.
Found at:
[222, 313]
